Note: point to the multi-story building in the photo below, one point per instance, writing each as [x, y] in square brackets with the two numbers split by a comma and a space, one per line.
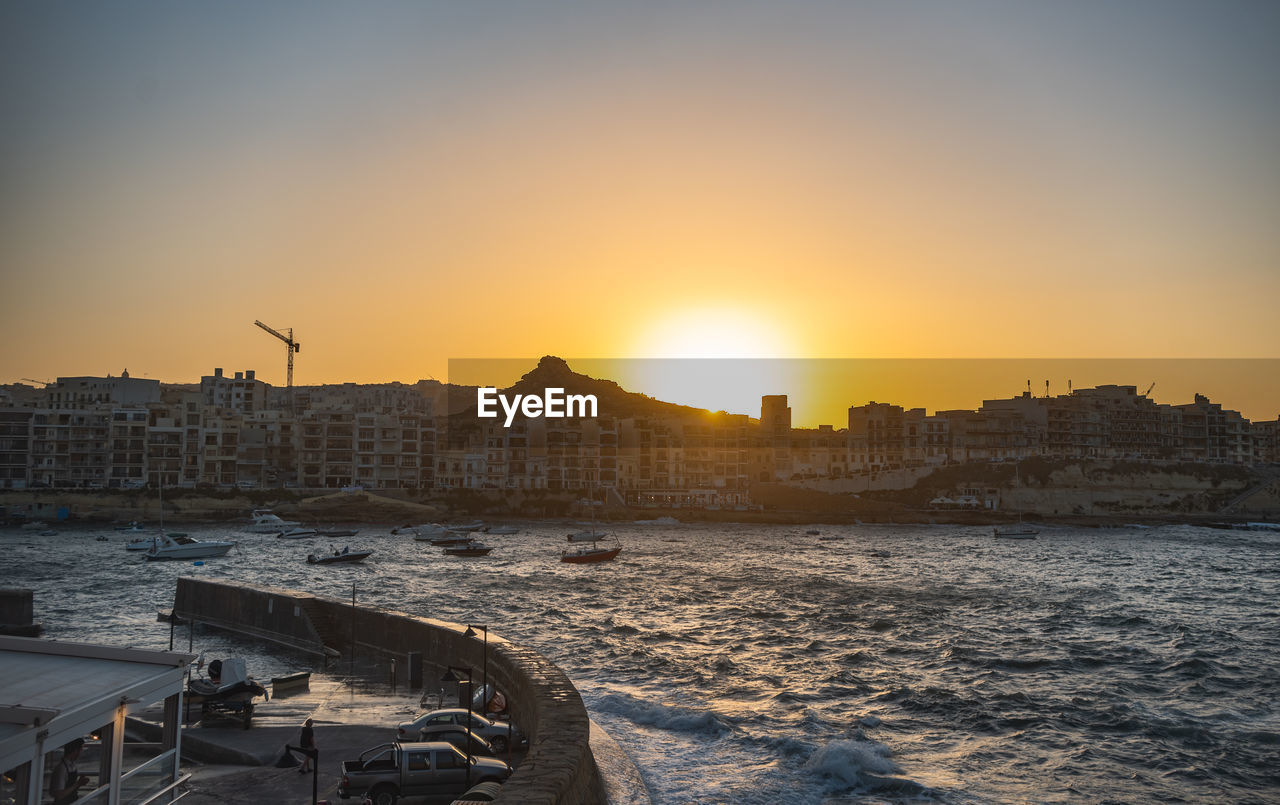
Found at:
[80, 393]
[243, 393]
[1266, 441]
[390, 452]
[15, 447]
[876, 436]
[775, 434]
[1213, 434]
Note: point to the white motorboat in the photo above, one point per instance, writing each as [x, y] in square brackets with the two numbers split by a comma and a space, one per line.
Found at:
[180, 546]
[265, 522]
[298, 533]
[140, 544]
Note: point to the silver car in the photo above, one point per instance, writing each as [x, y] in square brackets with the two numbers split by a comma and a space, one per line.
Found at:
[498, 733]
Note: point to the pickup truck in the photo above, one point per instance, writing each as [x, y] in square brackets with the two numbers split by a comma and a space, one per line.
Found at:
[390, 771]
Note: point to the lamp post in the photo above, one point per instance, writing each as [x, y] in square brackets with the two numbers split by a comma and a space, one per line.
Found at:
[450, 677]
[471, 632]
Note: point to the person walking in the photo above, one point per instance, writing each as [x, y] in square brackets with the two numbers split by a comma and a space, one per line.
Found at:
[307, 740]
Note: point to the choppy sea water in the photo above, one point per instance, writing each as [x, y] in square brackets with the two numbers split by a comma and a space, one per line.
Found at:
[748, 664]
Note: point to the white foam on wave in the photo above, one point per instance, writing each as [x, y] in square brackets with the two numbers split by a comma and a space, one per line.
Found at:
[662, 716]
[851, 761]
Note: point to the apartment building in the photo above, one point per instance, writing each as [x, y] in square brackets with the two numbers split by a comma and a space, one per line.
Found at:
[876, 437]
[15, 447]
[80, 393]
[243, 393]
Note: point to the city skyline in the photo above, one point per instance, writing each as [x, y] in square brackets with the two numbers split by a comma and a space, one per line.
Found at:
[820, 392]
[403, 184]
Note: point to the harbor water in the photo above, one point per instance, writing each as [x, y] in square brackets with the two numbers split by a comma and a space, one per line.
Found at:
[756, 664]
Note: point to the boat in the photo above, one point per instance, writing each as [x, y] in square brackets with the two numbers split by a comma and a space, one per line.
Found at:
[346, 555]
[265, 522]
[590, 553]
[292, 683]
[133, 525]
[1020, 530]
[469, 548]
[585, 554]
[180, 546]
[228, 689]
[813, 532]
[451, 539]
[501, 530]
[298, 533]
[432, 531]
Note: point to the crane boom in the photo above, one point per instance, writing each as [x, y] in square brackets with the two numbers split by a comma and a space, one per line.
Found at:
[291, 347]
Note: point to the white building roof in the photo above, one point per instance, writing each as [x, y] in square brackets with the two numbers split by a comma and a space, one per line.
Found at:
[52, 692]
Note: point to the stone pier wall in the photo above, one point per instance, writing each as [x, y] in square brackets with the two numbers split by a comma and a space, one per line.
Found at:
[559, 768]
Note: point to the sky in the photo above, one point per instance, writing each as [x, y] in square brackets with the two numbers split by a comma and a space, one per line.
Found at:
[407, 183]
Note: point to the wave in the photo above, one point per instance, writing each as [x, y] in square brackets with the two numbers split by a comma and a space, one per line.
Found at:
[862, 765]
[662, 716]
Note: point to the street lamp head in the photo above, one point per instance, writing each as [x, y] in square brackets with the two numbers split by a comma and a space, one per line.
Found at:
[469, 632]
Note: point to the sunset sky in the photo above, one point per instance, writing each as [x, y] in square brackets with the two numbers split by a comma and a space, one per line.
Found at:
[405, 183]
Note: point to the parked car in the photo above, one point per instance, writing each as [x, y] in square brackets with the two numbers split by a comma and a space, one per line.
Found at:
[390, 771]
[456, 734]
[497, 733]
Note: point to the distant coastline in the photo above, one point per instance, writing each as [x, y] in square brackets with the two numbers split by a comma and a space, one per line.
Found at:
[1099, 493]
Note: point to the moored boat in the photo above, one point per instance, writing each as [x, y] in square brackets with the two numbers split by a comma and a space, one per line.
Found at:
[266, 522]
[586, 555]
[1018, 531]
[140, 544]
[346, 555]
[469, 548]
[180, 546]
[298, 533]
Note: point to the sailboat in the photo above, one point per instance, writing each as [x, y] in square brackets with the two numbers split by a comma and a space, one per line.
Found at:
[178, 545]
[585, 554]
[1020, 530]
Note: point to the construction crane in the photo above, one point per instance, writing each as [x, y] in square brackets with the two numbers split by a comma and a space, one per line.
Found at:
[1147, 393]
[291, 347]
[41, 382]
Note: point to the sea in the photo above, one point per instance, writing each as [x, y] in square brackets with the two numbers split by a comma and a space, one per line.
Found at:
[865, 664]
